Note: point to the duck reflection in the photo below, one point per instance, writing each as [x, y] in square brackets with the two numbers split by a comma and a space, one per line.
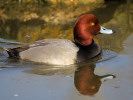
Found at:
[86, 82]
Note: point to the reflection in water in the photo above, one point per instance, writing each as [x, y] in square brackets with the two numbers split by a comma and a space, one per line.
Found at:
[121, 22]
[27, 22]
[86, 82]
[53, 70]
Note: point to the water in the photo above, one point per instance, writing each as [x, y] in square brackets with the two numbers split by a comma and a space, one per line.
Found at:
[107, 77]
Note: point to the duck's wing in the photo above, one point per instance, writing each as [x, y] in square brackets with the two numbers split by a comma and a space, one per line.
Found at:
[14, 52]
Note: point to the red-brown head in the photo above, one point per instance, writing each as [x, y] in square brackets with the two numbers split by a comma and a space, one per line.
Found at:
[86, 27]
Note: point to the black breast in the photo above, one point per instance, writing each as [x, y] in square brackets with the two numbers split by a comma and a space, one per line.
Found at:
[87, 52]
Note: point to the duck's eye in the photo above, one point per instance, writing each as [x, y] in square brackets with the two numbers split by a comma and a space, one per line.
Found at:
[93, 24]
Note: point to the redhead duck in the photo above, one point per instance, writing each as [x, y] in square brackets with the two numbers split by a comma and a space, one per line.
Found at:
[63, 51]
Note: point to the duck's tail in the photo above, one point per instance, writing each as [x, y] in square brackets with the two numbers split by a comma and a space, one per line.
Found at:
[12, 52]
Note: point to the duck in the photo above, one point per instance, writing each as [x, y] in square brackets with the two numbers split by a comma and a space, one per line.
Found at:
[63, 51]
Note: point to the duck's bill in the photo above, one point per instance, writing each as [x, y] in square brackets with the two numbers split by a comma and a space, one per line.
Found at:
[107, 77]
[106, 31]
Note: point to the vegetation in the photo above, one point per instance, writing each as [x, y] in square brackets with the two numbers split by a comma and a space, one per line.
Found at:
[29, 21]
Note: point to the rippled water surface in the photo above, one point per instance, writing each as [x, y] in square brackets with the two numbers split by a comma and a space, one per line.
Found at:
[106, 77]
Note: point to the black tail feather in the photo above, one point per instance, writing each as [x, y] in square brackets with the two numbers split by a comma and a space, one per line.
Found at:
[12, 52]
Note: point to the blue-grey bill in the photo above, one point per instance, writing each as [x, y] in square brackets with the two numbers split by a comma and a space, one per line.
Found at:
[106, 31]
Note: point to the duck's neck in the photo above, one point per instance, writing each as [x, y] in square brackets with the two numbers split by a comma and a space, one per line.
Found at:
[79, 44]
[83, 38]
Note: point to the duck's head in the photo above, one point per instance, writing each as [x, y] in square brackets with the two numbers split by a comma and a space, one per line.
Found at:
[86, 27]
